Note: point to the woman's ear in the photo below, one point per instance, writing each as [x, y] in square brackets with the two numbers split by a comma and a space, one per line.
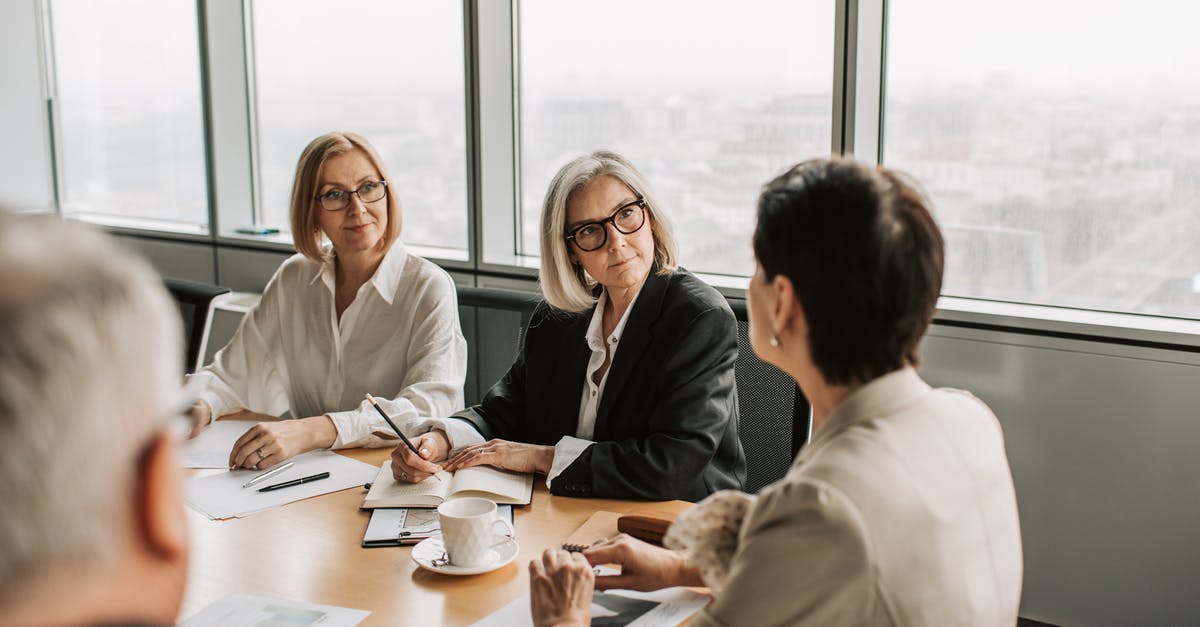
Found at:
[786, 317]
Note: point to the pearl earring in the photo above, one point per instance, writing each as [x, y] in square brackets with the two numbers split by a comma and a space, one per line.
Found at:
[775, 340]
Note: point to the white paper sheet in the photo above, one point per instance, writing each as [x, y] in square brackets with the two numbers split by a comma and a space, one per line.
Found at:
[222, 495]
[211, 448]
[674, 605]
[242, 609]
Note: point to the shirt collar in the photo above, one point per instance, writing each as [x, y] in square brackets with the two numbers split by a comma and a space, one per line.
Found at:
[385, 280]
[595, 330]
[881, 397]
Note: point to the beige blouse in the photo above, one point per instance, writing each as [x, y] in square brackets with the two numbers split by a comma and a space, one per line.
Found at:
[901, 511]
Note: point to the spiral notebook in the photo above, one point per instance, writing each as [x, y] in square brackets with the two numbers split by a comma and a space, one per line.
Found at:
[403, 526]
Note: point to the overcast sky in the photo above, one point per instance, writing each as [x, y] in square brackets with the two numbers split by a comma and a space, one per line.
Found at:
[1036, 42]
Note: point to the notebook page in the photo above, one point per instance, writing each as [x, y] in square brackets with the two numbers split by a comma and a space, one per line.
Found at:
[387, 492]
[510, 486]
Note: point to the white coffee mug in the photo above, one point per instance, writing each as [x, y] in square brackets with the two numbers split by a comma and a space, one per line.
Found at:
[467, 530]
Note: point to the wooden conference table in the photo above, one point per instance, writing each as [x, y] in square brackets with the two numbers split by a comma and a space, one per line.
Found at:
[309, 551]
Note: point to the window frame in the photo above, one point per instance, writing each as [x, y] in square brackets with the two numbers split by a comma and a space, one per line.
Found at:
[491, 72]
[49, 123]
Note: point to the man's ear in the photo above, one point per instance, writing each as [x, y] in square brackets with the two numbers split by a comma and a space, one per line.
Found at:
[159, 500]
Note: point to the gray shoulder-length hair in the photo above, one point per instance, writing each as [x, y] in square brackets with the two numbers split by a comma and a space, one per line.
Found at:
[565, 285]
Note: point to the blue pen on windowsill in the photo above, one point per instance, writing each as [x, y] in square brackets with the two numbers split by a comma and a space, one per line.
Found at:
[288, 484]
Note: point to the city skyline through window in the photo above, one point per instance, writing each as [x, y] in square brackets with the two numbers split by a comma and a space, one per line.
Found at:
[707, 100]
[1063, 170]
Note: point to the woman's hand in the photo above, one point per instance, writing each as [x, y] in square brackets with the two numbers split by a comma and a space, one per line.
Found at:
[412, 468]
[268, 443]
[560, 589]
[514, 456]
[201, 415]
[643, 566]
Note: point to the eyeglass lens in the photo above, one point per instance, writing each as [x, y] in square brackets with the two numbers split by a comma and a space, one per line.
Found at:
[337, 199]
[627, 219]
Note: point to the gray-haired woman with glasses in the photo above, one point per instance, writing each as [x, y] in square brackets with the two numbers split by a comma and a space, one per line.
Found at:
[624, 385]
[353, 313]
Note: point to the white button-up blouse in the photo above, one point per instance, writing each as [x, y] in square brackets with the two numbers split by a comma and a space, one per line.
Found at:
[399, 340]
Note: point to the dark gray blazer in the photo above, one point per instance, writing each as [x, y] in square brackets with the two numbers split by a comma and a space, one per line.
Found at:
[666, 427]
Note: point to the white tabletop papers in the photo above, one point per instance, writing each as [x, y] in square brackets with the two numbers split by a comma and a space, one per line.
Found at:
[243, 609]
[211, 448]
[222, 495]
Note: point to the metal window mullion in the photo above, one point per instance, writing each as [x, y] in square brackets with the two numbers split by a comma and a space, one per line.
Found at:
[867, 108]
[471, 123]
[229, 115]
[498, 199]
[252, 128]
[206, 120]
[50, 99]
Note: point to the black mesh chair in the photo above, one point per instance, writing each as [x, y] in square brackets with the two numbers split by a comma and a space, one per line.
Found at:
[195, 307]
[774, 417]
[504, 310]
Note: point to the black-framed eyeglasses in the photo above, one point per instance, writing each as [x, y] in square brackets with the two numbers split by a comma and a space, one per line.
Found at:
[628, 218]
[338, 199]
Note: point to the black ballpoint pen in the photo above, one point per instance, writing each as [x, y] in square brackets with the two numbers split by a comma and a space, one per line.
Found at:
[288, 484]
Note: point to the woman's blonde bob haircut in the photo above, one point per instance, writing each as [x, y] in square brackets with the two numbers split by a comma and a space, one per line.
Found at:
[565, 285]
[306, 235]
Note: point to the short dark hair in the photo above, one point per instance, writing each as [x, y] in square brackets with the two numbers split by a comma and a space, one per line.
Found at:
[865, 257]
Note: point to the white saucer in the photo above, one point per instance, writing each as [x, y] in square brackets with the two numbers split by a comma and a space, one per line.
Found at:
[504, 550]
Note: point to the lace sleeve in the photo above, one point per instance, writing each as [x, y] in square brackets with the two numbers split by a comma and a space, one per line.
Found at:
[707, 534]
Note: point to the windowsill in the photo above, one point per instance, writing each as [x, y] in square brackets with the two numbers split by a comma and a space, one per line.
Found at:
[1042, 319]
[282, 241]
[727, 285]
[438, 253]
[134, 226]
[1000, 316]
[520, 265]
[275, 241]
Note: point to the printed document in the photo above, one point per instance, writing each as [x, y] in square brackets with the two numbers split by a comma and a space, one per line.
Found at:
[222, 495]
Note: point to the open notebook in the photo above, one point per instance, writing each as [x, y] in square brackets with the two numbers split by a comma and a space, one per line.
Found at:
[490, 483]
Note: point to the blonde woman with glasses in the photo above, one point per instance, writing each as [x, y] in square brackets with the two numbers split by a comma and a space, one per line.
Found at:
[624, 384]
[353, 312]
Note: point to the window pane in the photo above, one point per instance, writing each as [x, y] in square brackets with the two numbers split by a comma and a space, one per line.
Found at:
[129, 111]
[708, 99]
[390, 71]
[1060, 142]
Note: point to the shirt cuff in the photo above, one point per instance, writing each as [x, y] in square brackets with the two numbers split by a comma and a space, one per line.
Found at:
[459, 432]
[566, 452]
[204, 382]
[354, 430]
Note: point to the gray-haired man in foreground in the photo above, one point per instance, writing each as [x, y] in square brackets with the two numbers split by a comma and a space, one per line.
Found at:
[92, 529]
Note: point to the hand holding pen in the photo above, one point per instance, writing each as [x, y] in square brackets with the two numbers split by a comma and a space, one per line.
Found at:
[418, 466]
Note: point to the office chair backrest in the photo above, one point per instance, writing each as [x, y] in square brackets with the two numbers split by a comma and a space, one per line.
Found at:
[195, 302]
[773, 412]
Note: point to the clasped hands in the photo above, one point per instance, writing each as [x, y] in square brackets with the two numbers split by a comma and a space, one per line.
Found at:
[435, 456]
[561, 583]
